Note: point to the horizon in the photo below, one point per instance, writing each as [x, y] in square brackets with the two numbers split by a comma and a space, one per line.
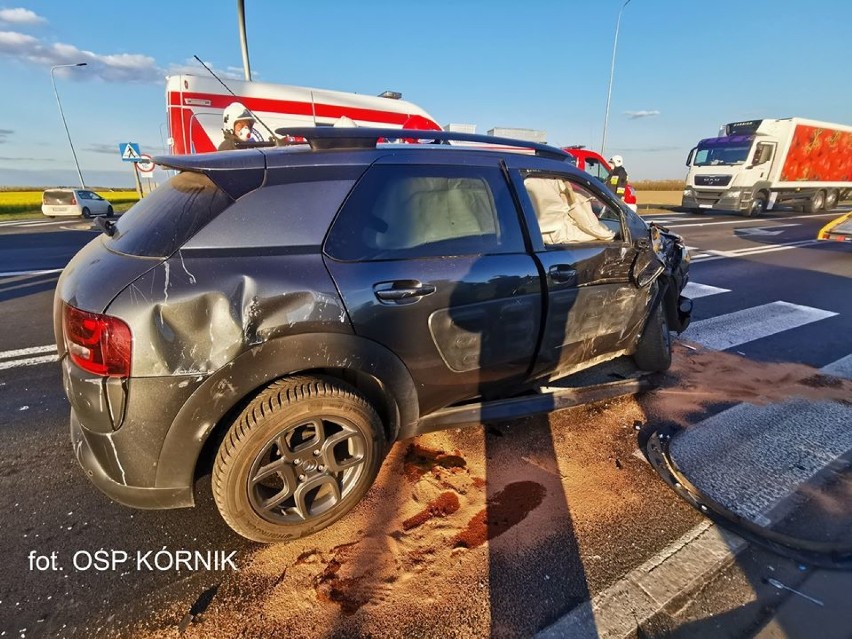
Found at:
[681, 71]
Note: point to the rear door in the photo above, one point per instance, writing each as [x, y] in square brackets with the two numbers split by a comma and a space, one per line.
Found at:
[431, 262]
[594, 309]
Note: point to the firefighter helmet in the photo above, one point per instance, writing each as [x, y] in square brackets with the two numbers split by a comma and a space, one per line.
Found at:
[235, 112]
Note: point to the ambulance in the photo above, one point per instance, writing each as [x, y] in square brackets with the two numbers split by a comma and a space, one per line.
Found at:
[194, 107]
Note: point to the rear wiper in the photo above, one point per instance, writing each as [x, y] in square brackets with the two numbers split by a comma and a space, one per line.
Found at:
[107, 226]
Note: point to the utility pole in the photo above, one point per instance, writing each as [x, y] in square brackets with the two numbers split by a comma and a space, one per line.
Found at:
[62, 115]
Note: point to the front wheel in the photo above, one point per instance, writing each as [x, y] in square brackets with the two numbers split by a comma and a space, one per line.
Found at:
[758, 206]
[654, 350]
[298, 458]
[110, 212]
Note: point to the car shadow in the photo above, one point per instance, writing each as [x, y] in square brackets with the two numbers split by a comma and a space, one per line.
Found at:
[22, 286]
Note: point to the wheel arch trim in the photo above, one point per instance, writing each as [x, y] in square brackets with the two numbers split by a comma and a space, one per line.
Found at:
[224, 390]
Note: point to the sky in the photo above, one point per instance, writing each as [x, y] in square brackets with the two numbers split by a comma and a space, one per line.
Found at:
[682, 69]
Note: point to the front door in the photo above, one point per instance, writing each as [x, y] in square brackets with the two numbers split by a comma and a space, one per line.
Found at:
[594, 310]
[431, 263]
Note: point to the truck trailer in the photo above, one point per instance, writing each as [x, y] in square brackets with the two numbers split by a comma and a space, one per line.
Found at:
[755, 165]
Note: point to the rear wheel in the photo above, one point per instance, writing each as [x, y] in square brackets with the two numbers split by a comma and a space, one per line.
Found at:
[830, 200]
[654, 350]
[298, 458]
[816, 203]
[86, 212]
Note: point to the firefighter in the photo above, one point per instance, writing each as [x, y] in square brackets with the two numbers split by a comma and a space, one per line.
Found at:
[238, 126]
[617, 178]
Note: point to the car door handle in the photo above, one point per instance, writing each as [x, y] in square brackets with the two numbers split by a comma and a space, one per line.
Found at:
[562, 273]
[402, 291]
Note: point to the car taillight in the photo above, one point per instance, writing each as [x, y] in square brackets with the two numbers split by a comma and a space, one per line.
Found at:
[629, 195]
[99, 344]
[73, 200]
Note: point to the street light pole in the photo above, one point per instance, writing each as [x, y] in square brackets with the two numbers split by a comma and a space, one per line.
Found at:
[56, 93]
[241, 22]
[611, 75]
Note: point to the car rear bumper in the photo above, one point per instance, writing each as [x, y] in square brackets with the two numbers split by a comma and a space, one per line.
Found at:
[61, 211]
[123, 458]
[96, 465]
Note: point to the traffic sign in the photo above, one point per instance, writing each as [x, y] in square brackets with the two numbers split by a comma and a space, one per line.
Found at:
[146, 163]
[129, 152]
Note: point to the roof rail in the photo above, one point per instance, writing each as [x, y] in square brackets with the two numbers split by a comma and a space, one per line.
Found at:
[322, 138]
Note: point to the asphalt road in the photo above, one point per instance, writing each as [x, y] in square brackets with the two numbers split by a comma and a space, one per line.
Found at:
[763, 289]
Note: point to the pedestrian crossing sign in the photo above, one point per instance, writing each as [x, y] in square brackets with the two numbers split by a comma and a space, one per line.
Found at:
[129, 152]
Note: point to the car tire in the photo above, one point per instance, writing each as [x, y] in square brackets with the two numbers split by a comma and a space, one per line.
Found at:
[830, 200]
[758, 206]
[110, 212]
[274, 477]
[654, 349]
[87, 213]
[816, 203]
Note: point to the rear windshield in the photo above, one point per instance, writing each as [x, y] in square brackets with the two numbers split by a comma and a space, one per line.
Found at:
[58, 197]
[162, 222]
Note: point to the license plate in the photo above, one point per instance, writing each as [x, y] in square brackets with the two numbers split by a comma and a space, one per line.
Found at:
[60, 209]
[705, 206]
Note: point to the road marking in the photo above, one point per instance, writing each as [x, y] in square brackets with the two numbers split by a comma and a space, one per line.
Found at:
[763, 230]
[41, 272]
[30, 361]
[32, 356]
[683, 566]
[710, 254]
[746, 220]
[33, 350]
[757, 322]
[730, 455]
[693, 560]
[694, 290]
[840, 368]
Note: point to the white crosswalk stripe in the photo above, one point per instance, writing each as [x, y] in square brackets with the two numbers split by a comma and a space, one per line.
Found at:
[693, 290]
[840, 368]
[730, 455]
[747, 325]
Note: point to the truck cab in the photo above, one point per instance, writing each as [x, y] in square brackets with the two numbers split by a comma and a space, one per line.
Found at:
[724, 171]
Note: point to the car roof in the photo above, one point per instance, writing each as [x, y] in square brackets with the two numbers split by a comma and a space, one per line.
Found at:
[328, 145]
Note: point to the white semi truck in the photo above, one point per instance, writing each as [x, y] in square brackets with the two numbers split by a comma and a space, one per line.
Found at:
[754, 165]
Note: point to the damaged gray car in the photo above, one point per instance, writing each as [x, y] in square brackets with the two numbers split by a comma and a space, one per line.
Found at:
[280, 316]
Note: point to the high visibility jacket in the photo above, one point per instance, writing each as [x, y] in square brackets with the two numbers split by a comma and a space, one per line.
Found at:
[617, 181]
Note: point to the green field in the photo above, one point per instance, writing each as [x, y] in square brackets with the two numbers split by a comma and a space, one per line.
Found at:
[15, 204]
